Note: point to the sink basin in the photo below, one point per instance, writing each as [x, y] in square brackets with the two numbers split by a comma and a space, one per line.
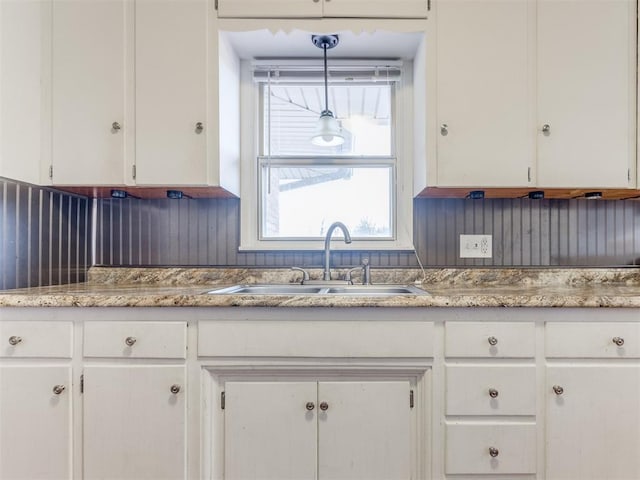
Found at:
[362, 290]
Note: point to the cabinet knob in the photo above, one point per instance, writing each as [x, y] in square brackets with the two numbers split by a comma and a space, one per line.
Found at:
[175, 389]
[494, 452]
[130, 341]
[115, 127]
[492, 341]
[58, 389]
[316, 1]
[324, 406]
[558, 390]
[444, 129]
[310, 406]
[493, 393]
[199, 127]
[619, 341]
[13, 340]
[546, 129]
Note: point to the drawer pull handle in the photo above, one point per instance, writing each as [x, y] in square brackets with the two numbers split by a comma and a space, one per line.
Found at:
[494, 452]
[310, 406]
[558, 390]
[13, 340]
[175, 389]
[199, 127]
[130, 341]
[493, 393]
[58, 389]
[492, 341]
[619, 341]
[324, 406]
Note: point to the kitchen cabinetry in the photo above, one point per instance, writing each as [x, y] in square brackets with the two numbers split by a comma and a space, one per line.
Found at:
[89, 98]
[323, 8]
[484, 122]
[326, 429]
[592, 419]
[134, 414]
[586, 93]
[171, 92]
[584, 69]
[35, 401]
[503, 393]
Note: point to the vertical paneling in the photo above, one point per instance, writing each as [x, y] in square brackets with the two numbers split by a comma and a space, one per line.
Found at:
[525, 233]
[44, 236]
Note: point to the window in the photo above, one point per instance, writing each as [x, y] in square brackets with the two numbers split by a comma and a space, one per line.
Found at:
[301, 189]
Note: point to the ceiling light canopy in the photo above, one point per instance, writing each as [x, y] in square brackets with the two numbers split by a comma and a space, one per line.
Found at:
[328, 132]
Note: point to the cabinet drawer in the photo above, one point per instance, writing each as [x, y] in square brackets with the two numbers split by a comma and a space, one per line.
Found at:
[469, 449]
[489, 390]
[36, 339]
[315, 338]
[489, 339]
[135, 339]
[593, 340]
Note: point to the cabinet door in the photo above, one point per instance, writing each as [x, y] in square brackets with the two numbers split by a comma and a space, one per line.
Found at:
[484, 97]
[88, 64]
[35, 438]
[365, 432]
[134, 425]
[593, 426]
[269, 433]
[270, 9]
[586, 93]
[171, 102]
[376, 8]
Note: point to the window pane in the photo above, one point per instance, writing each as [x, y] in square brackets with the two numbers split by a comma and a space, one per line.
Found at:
[363, 111]
[304, 201]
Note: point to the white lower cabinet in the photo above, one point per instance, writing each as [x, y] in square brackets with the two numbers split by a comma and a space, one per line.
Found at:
[308, 429]
[35, 422]
[134, 422]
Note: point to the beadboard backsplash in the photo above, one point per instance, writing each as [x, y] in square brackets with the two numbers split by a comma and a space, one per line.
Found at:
[45, 236]
[525, 233]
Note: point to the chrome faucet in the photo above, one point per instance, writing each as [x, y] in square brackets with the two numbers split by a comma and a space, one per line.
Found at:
[326, 276]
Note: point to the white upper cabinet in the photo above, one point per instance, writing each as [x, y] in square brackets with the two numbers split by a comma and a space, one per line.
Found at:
[586, 93]
[323, 8]
[484, 94]
[88, 92]
[170, 92]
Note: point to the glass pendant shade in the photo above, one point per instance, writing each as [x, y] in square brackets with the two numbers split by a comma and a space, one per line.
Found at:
[327, 132]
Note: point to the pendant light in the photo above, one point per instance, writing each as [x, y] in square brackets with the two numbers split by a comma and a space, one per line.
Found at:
[328, 132]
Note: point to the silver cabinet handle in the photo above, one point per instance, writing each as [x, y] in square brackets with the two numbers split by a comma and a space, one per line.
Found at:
[558, 390]
[324, 406]
[494, 452]
[546, 129]
[492, 341]
[13, 340]
[619, 341]
[199, 127]
[175, 389]
[310, 406]
[493, 393]
[130, 341]
[444, 129]
[115, 127]
[58, 389]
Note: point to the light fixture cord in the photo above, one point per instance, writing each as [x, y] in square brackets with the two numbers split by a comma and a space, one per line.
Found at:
[326, 79]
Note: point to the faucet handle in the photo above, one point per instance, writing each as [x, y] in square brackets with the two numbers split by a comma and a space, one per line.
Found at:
[305, 274]
[347, 275]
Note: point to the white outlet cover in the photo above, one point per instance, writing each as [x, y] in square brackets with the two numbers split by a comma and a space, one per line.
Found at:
[476, 246]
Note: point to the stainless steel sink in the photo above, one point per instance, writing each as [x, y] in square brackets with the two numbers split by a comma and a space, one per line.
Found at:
[353, 290]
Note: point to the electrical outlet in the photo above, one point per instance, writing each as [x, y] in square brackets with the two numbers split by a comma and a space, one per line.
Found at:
[476, 246]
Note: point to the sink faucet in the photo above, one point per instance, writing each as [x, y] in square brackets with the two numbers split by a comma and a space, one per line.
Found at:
[327, 247]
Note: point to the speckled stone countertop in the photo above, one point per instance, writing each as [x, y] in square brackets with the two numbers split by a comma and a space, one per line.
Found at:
[472, 287]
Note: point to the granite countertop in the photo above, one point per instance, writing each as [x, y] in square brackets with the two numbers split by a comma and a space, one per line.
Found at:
[472, 287]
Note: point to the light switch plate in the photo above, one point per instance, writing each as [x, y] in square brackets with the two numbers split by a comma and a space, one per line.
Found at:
[476, 246]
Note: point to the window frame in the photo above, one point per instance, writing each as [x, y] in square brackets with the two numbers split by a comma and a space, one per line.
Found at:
[251, 194]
